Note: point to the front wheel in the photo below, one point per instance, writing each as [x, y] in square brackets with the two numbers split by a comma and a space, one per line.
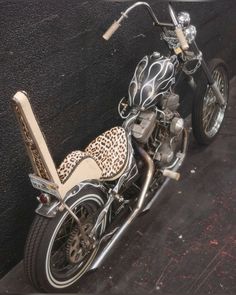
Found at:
[54, 257]
[208, 115]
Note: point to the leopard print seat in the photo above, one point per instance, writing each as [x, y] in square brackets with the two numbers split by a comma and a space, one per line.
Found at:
[109, 151]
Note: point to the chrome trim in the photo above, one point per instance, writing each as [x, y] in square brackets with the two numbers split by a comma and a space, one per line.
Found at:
[184, 19]
[190, 33]
[218, 94]
[48, 210]
[150, 11]
[173, 16]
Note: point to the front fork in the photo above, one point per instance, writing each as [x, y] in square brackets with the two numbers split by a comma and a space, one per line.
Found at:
[211, 81]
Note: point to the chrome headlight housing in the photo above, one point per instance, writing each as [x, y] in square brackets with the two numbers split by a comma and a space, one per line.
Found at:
[184, 19]
[190, 33]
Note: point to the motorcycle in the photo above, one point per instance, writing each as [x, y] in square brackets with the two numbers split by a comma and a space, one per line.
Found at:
[94, 196]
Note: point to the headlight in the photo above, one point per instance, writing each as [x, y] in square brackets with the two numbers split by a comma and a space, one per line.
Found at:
[184, 19]
[190, 33]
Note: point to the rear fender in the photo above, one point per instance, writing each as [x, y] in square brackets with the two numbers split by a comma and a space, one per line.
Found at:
[50, 210]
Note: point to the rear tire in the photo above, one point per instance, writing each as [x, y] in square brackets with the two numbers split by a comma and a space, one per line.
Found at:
[206, 131]
[48, 240]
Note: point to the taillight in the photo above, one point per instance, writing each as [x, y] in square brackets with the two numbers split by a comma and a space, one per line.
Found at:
[44, 198]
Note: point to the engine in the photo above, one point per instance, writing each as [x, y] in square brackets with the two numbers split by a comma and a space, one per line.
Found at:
[161, 130]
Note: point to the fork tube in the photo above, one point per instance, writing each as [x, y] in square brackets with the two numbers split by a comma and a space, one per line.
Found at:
[210, 78]
[204, 65]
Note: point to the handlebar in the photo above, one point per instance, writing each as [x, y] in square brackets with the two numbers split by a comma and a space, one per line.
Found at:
[178, 29]
[111, 30]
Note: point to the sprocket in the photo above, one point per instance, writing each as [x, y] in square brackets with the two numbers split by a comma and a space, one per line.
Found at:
[75, 248]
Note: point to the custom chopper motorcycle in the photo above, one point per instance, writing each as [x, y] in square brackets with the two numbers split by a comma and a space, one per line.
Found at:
[91, 199]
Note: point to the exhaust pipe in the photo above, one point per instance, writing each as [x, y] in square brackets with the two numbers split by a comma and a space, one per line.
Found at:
[173, 169]
[149, 174]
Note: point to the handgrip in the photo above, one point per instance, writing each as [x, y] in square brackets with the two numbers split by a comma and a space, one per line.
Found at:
[182, 39]
[113, 28]
[171, 174]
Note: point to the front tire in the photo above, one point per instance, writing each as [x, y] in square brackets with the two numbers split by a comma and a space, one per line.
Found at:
[50, 261]
[207, 115]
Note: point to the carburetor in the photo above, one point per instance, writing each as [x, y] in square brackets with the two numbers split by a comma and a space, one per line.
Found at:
[144, 126]
[170, 101]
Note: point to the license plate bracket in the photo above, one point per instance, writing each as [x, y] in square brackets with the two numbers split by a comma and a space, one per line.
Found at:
[44, 185]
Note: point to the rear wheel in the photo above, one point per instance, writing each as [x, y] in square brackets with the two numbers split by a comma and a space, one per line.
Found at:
[55, 258]
[208, 115]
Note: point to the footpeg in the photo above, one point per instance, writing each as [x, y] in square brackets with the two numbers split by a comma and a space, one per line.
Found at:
[171, 174]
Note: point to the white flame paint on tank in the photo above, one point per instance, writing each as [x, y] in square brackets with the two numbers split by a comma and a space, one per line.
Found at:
[153, 76]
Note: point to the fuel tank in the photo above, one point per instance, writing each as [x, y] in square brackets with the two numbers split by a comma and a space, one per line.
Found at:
[153, 76]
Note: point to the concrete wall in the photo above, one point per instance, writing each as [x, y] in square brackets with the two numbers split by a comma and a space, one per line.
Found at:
[53, 50]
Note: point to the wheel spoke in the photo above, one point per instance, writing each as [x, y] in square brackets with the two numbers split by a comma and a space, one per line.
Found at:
[208, 111]
[67, 254]
[213, 114]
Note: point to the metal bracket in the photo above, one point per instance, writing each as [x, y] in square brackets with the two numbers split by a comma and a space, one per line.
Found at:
[48, 211]
[218, 94]
[102, 215]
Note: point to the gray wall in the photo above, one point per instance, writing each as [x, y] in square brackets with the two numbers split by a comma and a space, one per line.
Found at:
[53, 50]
